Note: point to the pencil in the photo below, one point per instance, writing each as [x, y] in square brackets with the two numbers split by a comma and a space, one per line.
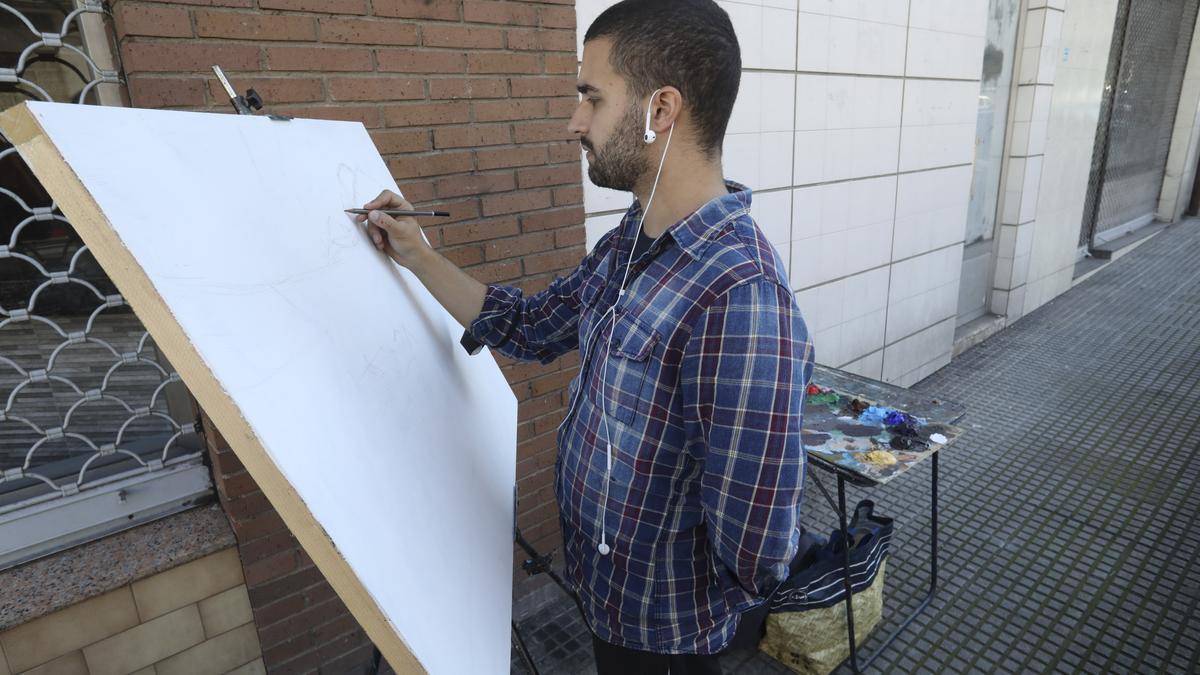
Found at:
[397, 212]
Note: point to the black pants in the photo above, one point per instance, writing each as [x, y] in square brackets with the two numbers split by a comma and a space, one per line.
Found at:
[614, 660]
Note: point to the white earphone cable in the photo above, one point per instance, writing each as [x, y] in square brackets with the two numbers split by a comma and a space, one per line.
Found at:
[604, 548]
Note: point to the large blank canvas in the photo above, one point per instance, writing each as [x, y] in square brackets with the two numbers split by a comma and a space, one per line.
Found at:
[332, 373]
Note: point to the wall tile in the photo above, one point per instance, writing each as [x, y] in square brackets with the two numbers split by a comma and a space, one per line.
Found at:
[67, 630]
[188, 583]
[147, 643]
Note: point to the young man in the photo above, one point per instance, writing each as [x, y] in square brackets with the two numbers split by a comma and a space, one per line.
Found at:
[680, 463]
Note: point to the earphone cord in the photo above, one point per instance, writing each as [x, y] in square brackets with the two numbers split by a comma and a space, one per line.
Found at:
[603, 548]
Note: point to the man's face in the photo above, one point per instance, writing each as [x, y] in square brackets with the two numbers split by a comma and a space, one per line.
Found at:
[608, 122]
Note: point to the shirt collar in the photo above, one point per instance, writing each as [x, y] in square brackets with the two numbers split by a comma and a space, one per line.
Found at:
[693, 233]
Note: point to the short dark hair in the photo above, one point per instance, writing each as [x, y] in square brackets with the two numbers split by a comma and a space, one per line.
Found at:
[687, 44]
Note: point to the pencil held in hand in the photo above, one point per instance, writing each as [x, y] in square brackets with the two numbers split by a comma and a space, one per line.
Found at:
[400, 212]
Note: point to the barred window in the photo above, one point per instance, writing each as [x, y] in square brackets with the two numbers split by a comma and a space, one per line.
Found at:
[97, 432]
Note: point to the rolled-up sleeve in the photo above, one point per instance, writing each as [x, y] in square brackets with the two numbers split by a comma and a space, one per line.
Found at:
[744, 372]
[541, 327]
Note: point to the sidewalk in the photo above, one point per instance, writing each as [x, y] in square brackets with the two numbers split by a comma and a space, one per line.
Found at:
[1068, 535]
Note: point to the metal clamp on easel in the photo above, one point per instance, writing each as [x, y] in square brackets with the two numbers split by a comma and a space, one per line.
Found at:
[245, 105]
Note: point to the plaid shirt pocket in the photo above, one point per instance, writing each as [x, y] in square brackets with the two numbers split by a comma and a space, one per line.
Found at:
[630, 378]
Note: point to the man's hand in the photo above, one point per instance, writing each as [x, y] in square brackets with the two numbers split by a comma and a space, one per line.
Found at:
[400, 238]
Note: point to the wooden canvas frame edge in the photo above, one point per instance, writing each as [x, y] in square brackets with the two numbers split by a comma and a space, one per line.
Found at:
[23, 130]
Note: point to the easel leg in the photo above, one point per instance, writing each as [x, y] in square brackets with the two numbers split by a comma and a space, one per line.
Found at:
[846, 573]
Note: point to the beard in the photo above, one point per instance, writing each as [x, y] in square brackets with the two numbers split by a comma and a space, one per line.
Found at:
[620, 163]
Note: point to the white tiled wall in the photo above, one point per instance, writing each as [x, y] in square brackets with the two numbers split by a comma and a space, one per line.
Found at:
[1071, 112]
[855, 126]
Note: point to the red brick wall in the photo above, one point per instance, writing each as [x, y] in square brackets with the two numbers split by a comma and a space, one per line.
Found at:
[468, 101]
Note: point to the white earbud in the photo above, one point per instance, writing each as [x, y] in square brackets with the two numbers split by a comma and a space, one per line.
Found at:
[650, 136]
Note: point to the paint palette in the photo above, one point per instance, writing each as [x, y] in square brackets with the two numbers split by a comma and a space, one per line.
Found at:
[872, 432]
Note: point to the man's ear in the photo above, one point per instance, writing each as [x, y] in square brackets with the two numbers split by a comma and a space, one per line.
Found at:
[666, 109]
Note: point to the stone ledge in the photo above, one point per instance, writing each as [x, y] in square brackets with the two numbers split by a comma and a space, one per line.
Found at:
[58, 581]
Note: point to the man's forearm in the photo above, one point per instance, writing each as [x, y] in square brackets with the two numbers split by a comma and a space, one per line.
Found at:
[461, 295]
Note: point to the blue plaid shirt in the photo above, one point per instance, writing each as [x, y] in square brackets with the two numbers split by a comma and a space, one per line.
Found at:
[707, 363]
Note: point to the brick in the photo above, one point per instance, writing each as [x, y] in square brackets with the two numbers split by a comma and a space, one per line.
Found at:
[260, 525]
[375, 88]
[356, 660]
[426, 114]
[301, 623]
[464, 256]
[472, 136]
[166, 92]
[546, 220]
[557, 17]
[542, 86]
[271, 567]
[532, 132]
[274, 90]
[499, 272]
[187, 584]
[507, 13]
[130, 19]
[367, 31]
[552, 261]
[237, 484]
[278, 610]
[500, 62]
[318, 58]
[323, 6]
[227, 462]
[554, 381]
[334, 649]
[336, 628]
[470, 37]
[188, 57]
[247, 26]
[566, 196]
[445, 10]
[537, 407]
[522, 39]
[475, 87]
[474, 184]
[281, 588]
[210, 3]
[225, 611]
[436, 164]
[246, 506]
[419, 192]
[391, 141]
[298, 655]
[473, 232]
[510, 157]
[516, 202]
[575, 236]
[565, 152]
[561, 63]
[218, 655]
[562, 107]
[543, 176]
[53, 635]
[368, 115]
[494, 111]
[519, 246]
[146, 644]
[420, 61]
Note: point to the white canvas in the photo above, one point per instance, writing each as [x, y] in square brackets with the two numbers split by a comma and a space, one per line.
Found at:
[345, 373]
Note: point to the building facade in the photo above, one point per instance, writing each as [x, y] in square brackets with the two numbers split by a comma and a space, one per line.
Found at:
[929, 170]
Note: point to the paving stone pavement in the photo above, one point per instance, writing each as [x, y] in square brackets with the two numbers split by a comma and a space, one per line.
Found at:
[1068, 508]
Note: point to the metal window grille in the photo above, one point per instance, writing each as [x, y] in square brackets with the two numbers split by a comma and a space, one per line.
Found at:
[97, 433]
